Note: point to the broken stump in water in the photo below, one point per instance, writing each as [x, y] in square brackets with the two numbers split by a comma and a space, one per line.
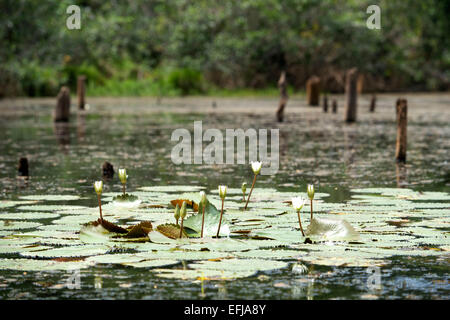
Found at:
[81, 92]
[313, 91]
[62, 110]
[351, 94]
[373, 103]
[22, 168]
[325, 104]
[334, 106]
[108, 170]
[360, 84]
[282, 84]
[402, 119]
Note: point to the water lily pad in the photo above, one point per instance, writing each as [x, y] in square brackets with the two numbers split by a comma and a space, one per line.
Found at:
[71, 251]
[209, 275]
[28, 215]
[17, 225]
[331, 229]
[51, 197]
[152, 263]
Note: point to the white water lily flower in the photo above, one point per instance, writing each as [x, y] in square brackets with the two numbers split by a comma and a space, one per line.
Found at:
[310, 191]
[256, 167]
[298, 203]
[98, 186]
[223, 191]
[123, 175]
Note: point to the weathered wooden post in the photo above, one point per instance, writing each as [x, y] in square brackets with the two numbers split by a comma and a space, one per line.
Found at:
[334, 106]
[108, 170]
[282, 84]
[360, 84]
[313, 91]
[62, 110]
[351, 93]
[373, 103]
[81, 92]
[325, 103]
[402, 119]
[22, 168]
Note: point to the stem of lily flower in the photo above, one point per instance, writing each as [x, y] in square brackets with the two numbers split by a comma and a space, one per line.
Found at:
[311, 209]
[123, 189]
[181, 228]
[300, 222]
[248, 198]
[220, 221]
[203, 219]
[100, 207]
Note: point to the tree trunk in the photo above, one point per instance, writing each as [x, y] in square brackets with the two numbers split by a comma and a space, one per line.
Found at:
[313, 91]
[62, 110]
[282, 84]
[402, 119]
[81, 92]
[351, 94]
[373, 103]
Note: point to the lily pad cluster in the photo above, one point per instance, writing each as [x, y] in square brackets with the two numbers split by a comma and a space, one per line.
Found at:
[369, 229]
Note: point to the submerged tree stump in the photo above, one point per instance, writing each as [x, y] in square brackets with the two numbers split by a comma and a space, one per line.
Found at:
[360, 84]
[81, 92]
[373, 103]
[402, 119]
[325, 104]
[313, 91]
[334, 106]
[108, 170]
[22, 168]
[351, 94]
[62, 110]
[282, 84]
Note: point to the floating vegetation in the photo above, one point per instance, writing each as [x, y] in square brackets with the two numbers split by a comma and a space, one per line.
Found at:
[376, 224]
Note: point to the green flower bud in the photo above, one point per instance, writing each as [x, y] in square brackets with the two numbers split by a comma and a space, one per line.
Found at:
[244, 187]
[183, 210]
[123, 176]
[222, 192]
[310, 191]
[177, 212]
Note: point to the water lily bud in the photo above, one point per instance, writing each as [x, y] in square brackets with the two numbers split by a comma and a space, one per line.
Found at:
[98, 186]
[297, 203]
[256, 167]
[311, 191]
[183, 210]
[123, 175]
[177, 212]
[244, 187]
[203, 198]
[222, 192]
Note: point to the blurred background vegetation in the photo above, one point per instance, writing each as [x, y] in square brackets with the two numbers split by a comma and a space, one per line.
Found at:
[181, 47]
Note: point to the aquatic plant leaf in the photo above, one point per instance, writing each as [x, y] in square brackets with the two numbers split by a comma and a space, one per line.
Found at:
[140, 230]
[17, 224]
[51, 197]
[178, 188]
[194, 275]
[271, 254]
[247, 265]
[71, 251]
[189, 203]
[171, 230]
[118, 258]
[28, 215]
[51, 207]
[331, 229]
[212, 218]
[151, 263]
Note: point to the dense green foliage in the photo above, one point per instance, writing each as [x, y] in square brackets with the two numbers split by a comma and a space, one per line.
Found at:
[166, 47]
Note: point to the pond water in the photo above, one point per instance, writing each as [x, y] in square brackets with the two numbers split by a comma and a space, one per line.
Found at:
[315, 147]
